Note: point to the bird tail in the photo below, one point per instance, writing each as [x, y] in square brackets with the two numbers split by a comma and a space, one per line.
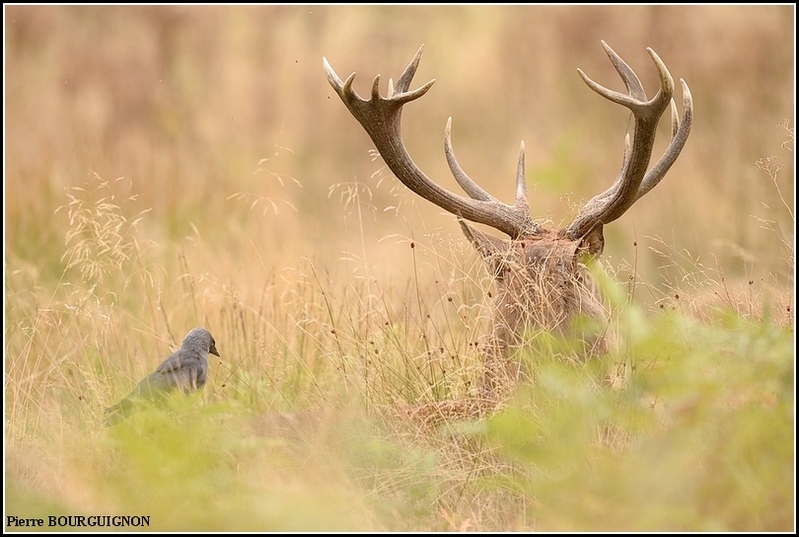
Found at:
[119, 412]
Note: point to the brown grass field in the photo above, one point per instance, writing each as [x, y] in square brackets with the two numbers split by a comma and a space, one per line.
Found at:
[172, 167]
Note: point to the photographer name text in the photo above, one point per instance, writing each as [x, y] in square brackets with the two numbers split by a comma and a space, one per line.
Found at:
[77, 521]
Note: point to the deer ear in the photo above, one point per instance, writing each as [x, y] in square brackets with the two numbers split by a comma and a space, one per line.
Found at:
[491, 249]
[484, 243]
[593, 242]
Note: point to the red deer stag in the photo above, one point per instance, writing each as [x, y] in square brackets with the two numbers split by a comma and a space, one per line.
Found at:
[541, 274]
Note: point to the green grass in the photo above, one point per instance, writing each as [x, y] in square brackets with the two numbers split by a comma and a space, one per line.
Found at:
[247, 203]
[686, 425]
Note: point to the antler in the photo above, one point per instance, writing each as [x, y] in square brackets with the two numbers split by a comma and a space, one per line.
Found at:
[380, 117]
[633, 180]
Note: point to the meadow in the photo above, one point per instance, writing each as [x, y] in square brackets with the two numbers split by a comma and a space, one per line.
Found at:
[172, 167]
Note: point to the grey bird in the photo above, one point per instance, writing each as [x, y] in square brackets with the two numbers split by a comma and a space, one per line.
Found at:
[186, 369]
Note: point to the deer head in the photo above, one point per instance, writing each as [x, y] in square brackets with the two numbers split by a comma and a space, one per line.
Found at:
[540, 272]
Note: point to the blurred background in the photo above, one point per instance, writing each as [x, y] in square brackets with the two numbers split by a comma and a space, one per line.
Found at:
[222, 123]
[168, 167]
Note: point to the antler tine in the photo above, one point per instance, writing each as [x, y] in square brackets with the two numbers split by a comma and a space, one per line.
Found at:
[376, 88]
[351, 98]
[675, 117]
[631, 80]
[332, 77]
[636, 99]
[666, 81]
[680, 131]
[521, 183]
[468, 185]
[404, 81]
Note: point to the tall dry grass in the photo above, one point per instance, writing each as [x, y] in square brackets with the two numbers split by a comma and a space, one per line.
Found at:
[168, 167]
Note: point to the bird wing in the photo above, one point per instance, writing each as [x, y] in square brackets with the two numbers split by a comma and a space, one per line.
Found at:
[183, 370]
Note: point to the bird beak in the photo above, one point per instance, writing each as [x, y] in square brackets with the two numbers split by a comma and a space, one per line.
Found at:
[213, 350]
